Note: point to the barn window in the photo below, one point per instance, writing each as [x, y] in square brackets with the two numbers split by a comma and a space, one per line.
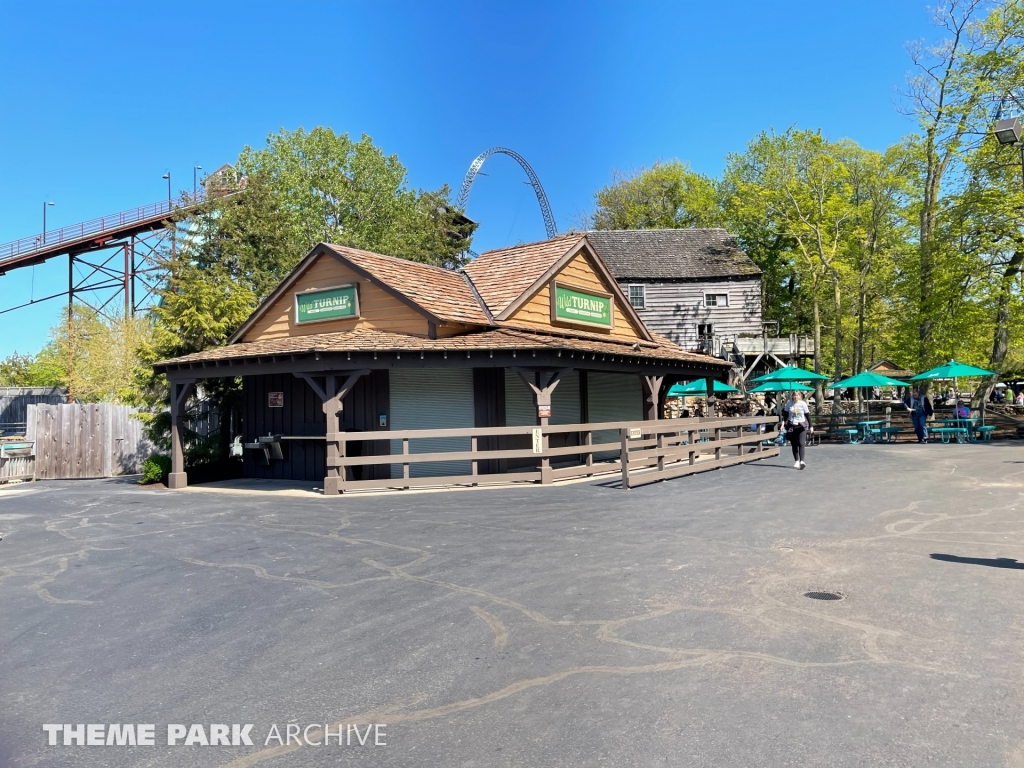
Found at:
[716, 299]
[637, 296]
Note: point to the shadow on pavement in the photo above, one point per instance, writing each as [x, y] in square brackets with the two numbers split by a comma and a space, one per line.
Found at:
[998, 562]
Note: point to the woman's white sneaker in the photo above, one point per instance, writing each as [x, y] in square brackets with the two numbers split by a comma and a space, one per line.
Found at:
[803, 465]
[797, 465]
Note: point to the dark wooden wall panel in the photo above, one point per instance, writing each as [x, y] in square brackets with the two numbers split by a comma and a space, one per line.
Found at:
[303, 414]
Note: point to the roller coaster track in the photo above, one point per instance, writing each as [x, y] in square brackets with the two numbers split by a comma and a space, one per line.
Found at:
[542, 198]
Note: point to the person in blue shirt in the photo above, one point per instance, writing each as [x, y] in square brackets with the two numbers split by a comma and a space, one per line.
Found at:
[920, 408]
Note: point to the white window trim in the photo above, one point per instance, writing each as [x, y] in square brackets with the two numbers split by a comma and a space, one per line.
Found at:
[643, 295]
[716, 294]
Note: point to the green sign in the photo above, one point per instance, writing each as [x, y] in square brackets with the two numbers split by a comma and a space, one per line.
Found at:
[326, 304]
[573, 306]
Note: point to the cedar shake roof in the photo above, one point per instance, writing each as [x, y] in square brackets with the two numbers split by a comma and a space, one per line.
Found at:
[371, 340]
[890, 369]
[672, 254]
[440, 291]
[502, 276]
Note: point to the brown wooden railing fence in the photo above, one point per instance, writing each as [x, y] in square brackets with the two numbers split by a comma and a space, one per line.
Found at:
[647, 451]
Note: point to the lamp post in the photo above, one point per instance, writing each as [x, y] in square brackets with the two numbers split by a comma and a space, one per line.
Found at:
[194, 187]
[1009, 132]
[170, 209]
[45, 206]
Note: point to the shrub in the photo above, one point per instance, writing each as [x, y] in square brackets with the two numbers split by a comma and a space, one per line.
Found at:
[155, 469]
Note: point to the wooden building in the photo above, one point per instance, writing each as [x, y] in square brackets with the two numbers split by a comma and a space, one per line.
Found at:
[690, 285]
[353, 341]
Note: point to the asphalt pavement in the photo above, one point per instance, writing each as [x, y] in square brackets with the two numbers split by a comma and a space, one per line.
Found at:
[570, 626]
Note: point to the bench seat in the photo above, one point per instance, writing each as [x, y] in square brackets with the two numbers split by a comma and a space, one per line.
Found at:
[946, 433]
[985, 433]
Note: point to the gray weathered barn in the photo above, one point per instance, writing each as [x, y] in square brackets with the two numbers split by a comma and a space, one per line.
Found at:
[698, 288]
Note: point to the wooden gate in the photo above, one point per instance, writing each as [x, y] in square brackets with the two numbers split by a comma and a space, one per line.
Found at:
[75, 441]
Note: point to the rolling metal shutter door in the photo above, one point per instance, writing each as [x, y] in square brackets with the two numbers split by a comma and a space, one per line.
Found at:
[519, 408]
[439, 398]
[613, 397]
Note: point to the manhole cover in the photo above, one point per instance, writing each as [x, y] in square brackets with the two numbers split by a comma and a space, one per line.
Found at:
[823, 595]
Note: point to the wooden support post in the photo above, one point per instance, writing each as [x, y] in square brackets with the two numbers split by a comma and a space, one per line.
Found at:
[661, 452]
[692, 441]
[333, 397]
[542, 384]
[624, 456]
[180, 392]
[718, 448]
[652, 389]
[710, 397]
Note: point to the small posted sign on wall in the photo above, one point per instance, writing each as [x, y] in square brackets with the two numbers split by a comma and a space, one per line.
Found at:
[543, 411]
[538, 440]
[275, 399]
[635, 433]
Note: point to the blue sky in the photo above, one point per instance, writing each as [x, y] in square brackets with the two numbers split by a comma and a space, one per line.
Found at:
[97, 102]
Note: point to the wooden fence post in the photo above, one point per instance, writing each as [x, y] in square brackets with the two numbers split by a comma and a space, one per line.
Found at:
[624, 456]
[405, 465]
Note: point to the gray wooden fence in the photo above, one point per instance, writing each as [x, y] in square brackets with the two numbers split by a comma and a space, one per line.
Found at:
[90, 440]
[14, 403]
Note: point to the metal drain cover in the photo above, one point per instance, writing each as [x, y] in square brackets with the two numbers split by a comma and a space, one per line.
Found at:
[823, 595]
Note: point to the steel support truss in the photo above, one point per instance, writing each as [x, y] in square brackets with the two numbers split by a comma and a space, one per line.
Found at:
[120, 277]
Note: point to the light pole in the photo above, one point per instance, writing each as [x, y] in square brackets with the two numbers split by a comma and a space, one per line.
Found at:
[168, 177]
[194, 169]
[1009, 132]
[45, 206]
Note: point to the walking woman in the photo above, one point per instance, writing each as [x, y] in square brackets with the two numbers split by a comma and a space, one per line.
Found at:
[798, 425]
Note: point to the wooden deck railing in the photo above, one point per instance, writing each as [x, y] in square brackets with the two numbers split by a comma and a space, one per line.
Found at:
[668, 449]
[642, 451]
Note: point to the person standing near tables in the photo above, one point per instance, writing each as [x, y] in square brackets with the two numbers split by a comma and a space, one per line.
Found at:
[920, 408]
[798, 424]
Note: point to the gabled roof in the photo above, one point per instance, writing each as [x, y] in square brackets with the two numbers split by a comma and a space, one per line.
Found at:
[508, 278]
[502, 276]
[892, 370]
[440, 291]
[672, 254]
[438, 294]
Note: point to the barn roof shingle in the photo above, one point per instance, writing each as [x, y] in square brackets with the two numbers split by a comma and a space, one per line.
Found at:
[672, 254]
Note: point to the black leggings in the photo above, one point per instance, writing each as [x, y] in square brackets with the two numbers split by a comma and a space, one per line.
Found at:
[798, 440]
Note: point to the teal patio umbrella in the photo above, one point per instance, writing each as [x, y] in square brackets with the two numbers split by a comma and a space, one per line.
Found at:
[782, 386]
[698, 387]
[791, 373]
[953, 370]
[868, 379]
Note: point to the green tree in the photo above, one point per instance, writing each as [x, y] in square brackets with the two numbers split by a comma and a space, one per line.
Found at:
[952, 95]
[664, 196]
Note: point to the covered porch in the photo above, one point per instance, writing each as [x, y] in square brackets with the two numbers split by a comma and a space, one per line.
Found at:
[502, 405]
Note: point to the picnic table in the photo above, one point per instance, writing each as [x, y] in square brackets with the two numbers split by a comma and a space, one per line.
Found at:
[959, 429]
[963, 428]
[867, 433]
